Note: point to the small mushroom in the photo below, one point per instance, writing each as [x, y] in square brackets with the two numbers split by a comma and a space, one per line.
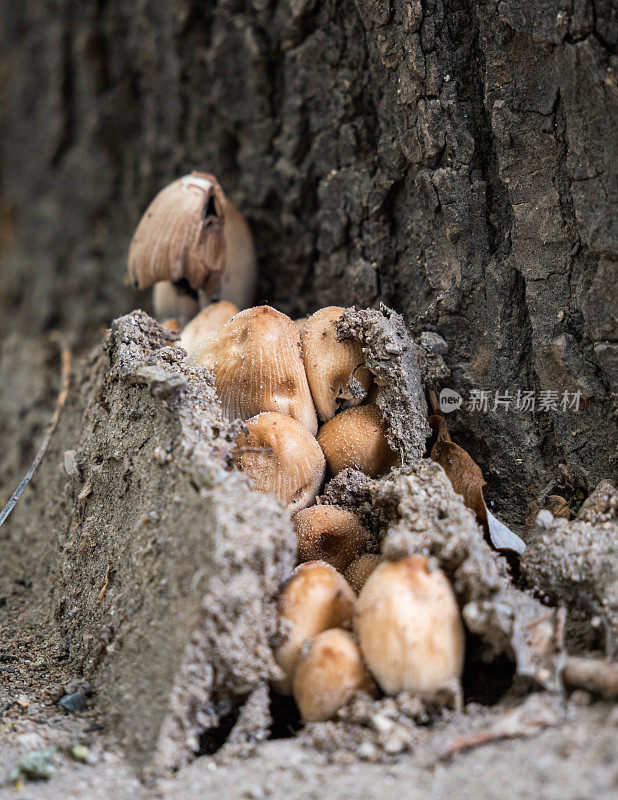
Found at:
[331, 534]
[191, 231]
[207, 322]
[409, 628]
[171, 325]
[281, 457]
[357, 438]
[174, 301]
[328, 673]
[360, 569]
[257, 363]
[335, 369]
[314, 599]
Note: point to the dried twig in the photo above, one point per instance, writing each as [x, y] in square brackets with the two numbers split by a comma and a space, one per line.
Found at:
[593, 674]
[65, 379]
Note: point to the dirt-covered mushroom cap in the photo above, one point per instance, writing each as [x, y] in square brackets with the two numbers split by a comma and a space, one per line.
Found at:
[328, 673]
[315, 598]
[335, 370]
[207, 322]
[330, 534]
[409, 627]
[360, 569]
[281, 457]
[357, 438]
[257, 363]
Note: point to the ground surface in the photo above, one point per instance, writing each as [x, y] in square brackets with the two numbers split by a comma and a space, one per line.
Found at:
[574, 761]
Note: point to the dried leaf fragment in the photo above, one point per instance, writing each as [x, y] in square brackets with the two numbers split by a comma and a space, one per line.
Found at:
[467, 480]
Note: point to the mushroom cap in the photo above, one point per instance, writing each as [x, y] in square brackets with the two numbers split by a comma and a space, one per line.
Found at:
[357, 438]
[281, 457]
[335, 370]
[329, 671]
[207, 322]
[257, 363]
[315, 598]
[409, 628]
[181, 235]
[170, 300]
[171, 325]
[330, 534]
[360, 569]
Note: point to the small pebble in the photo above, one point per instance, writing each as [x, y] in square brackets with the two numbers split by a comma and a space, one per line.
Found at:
[73, 703]
[36, 766]
[367, 751]
[580, 697]
[80, 752]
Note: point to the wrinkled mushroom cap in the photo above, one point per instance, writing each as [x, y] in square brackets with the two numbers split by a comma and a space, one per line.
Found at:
[257, 363]
[357, 438]
[281, 457]
[335, 370]
[409, 628]
[331, 534]
[207, 322]
[181, 235]
[315, 598]
[328, 673]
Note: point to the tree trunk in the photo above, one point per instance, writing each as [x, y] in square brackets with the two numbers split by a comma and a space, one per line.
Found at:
[456, 159]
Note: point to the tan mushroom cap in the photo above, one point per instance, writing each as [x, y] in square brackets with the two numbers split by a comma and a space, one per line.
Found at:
[257, 363]
[329, 672]
[409, 628]
[281, 457]
[171, 325]
[170, 301]
[331, 534]
[357, 438]
[207, 322]
[360, 569]
[315, 598]
[181, 235]
[335, 370]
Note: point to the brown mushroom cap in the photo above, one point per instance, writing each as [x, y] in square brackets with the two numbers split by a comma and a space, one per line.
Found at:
[360, 569]
[181, 235]
[257, 363]
[335, 370]
[281, 457]
[357, 438]
[170, 300]
[331, 534]
[329, 671]
[315, 598]
[207, 322]
[409, 628]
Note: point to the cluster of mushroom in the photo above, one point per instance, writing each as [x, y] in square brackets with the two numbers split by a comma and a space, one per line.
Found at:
[404, 629]
[305, 400]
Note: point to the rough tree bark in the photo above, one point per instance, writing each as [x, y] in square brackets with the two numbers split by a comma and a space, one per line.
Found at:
[454, 158]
